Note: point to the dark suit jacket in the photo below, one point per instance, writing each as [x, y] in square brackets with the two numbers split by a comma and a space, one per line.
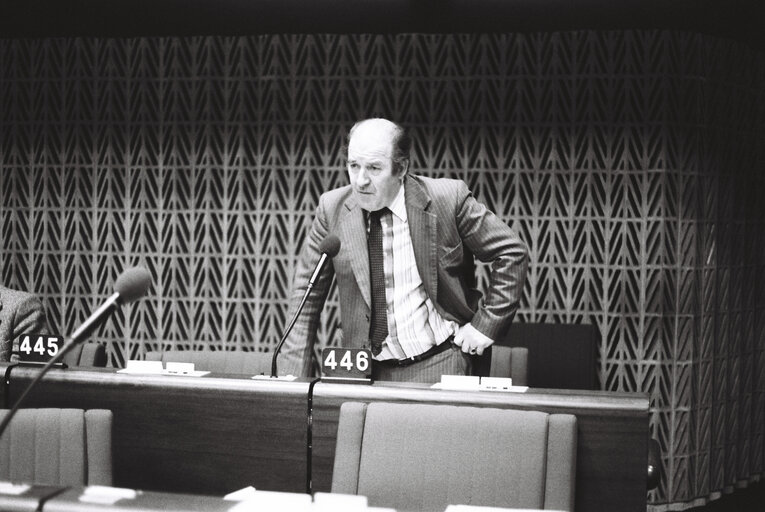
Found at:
[448, 228]
[20, 313]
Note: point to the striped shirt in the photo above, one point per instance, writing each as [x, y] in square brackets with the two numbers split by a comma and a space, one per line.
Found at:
[414, 324]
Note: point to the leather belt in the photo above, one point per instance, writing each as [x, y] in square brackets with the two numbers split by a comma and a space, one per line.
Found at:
[432, 351]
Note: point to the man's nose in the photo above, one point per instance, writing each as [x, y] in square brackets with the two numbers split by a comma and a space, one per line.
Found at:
[362, 178]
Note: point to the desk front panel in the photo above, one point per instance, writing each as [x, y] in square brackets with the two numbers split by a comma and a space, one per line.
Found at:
[208, 435]
[612, 444]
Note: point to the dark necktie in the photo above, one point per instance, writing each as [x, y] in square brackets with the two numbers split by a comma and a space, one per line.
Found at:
[378, 327]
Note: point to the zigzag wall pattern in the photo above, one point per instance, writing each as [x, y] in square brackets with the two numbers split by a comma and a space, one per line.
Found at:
[628, 161]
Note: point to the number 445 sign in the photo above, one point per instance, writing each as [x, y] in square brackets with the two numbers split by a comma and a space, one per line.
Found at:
[346, 364]
[39, 348]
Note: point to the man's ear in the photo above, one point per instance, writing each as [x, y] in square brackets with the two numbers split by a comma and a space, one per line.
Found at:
[404, 169]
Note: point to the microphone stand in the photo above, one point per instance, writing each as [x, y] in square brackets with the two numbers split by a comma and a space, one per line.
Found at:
[289, 329]
[316, 272]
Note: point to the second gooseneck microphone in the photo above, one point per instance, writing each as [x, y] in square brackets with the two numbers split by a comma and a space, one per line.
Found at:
[329, 247]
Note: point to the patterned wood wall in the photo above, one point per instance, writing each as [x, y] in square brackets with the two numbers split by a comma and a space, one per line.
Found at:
[630, 162]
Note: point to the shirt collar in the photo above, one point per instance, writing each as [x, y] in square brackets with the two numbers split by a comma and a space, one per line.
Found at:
[398, 205]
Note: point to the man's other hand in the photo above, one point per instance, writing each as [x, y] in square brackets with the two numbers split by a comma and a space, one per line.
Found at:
[471, 340]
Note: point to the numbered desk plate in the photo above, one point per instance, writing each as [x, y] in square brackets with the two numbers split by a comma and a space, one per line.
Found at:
[349, 365]
[39, 348]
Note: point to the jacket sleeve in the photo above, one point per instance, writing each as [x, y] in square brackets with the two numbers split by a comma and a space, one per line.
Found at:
[296, 354]
[494, 242]
[28, 318]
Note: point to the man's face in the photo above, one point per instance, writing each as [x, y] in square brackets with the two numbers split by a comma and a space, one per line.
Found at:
[370, 167]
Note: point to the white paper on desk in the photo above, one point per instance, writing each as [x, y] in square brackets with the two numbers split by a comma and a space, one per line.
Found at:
[105, 495]
[196, 373]
[511, 389]
[336, 502]
[501, 384]
[13, 489]
[143, 367]
[458, 382]
[156, 368]
[184, 368]
[272, 501]
[240, 495]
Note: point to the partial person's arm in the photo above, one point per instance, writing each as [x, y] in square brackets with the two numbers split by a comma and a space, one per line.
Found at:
[295, 357]
[29, 318]
[494, 242]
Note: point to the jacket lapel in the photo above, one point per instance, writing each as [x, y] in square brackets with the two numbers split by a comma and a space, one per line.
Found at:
[422, 228]
[353, 234]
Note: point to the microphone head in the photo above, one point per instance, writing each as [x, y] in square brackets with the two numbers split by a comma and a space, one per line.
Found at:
[330, 246]
[132, 284]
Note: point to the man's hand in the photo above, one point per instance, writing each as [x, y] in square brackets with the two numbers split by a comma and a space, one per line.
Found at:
[471, 340]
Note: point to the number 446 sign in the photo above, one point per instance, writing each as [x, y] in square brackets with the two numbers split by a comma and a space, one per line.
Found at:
[346, 364]
[39, 348]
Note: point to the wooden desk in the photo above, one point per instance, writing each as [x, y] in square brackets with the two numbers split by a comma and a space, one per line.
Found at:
[212, 435]
[612, 454]
[205, 435]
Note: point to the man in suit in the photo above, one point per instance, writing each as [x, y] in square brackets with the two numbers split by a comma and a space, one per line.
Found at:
[20, 313]
[405, 270]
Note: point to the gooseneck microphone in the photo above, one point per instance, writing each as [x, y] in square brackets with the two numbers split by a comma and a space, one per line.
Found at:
[329, 247]
[131, 285]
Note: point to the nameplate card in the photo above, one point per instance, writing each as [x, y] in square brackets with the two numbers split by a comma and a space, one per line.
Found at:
[352, 365]
[39, 348]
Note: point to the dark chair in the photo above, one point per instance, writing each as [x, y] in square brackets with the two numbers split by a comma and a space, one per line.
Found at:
[425, 457]
[510, 362]
[561, 356]
[655, 469]
[86, 354]
[57, 447]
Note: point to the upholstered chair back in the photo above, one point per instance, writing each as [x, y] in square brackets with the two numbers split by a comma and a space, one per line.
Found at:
[57, 447]
[425, 457]
[218, 361]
